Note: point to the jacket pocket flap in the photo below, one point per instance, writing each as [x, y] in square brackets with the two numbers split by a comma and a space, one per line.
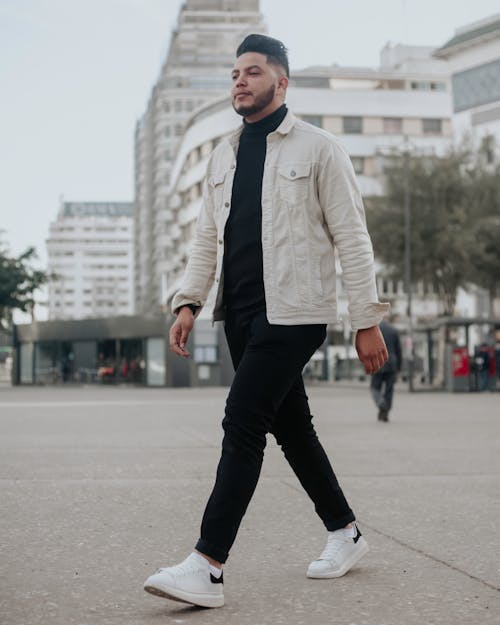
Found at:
[216, 179]
[293, 171]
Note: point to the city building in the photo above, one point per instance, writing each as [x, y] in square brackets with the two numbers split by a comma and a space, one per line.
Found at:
[90, 253]
[473, 55]
[196, 70]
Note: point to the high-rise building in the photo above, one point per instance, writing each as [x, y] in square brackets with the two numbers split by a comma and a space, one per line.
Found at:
[90, 251]
[196, 70]
[473, 54]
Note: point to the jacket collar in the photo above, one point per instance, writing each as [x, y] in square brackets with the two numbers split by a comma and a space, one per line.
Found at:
[284, 128]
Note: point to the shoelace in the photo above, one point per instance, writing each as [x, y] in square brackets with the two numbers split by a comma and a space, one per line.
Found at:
[333, 547]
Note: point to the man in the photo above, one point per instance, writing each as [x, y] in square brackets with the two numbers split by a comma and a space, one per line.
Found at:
[280, 194]
[382, 382]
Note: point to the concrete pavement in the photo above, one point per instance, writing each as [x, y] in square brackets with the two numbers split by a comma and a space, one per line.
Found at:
[100, 486]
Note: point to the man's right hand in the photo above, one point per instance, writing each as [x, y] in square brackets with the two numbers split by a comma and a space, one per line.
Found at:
[180, 330]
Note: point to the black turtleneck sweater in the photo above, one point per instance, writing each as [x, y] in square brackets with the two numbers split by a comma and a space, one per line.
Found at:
[243, 274]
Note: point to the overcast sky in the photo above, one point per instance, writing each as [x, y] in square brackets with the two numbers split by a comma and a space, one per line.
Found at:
[76, 75]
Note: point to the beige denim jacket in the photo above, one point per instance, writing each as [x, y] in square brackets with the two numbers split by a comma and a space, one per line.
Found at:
[310, 204]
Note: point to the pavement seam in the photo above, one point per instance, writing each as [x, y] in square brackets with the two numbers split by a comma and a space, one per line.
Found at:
[414, 549]
[431, 557]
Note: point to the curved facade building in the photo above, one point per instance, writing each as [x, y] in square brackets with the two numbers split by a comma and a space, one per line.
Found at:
[372, 112]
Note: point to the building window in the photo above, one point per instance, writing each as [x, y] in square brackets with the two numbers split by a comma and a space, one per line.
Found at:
[488, 148]
[427, 85]
[178, 130]
[432, 126]
[393, 125]
[167, 131]
[178, 106]
[205, 353]
[476, 86]
[352, 125]
[315, 120]
[358, 162]
[189, 105]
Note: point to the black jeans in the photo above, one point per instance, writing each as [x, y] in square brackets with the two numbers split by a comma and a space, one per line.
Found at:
[267, 395]
[382, 387]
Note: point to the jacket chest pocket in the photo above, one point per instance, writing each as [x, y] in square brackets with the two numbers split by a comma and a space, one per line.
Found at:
[216, 188]
[294, 181]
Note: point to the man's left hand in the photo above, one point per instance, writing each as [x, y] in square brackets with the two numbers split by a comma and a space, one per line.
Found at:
[371, 349]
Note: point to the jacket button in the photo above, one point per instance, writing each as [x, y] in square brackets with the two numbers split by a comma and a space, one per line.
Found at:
[292, 173]
[220, 241]
[226, 204]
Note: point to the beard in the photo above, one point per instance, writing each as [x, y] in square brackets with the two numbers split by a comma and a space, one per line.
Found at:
[260, 103]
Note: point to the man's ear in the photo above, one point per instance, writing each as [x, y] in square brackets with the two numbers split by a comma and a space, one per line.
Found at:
[283, 83]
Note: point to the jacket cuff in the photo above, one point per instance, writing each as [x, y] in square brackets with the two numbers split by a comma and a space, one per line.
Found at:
[369, 315]
[179, 302]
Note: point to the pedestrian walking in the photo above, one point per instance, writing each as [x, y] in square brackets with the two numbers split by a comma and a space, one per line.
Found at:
[383, 381]
[279, 195]
[483, 364]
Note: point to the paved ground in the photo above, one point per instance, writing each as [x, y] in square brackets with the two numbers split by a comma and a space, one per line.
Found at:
[100, 486]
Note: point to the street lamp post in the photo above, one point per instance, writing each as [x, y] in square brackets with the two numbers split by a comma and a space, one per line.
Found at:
[407, 261]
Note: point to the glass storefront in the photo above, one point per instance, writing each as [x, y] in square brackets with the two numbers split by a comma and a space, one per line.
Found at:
[118, 350]
[26, 363]
[114, 361]
[156, 362]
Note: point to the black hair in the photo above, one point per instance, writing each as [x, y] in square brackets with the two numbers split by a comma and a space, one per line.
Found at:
[275, 51]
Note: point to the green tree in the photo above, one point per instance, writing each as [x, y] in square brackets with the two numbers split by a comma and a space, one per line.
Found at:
[19, 281]
[440, 239]
[484, 216]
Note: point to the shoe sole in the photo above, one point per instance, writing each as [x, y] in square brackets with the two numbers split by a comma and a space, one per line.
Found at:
[362, 549]
[175, 594]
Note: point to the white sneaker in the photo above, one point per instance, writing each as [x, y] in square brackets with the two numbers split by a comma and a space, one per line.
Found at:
[340, 554]
[190, 582]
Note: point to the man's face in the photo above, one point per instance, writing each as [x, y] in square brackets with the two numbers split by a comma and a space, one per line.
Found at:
[258, 88]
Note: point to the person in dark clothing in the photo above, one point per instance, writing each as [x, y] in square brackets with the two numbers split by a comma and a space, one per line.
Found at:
[484, 360]
[280, 196]
[382, 382]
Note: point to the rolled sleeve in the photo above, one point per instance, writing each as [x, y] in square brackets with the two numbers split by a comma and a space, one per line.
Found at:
[368, 316]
